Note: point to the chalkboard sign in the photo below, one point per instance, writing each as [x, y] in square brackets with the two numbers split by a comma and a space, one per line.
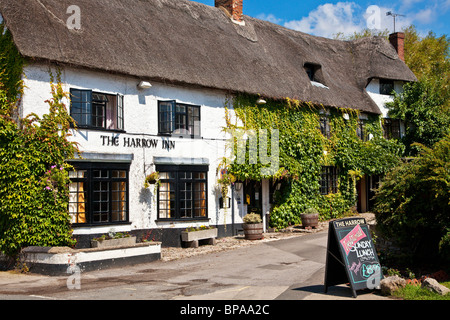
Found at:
[351, 256]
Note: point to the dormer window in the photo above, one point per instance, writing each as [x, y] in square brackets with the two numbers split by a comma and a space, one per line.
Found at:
[386, 86]
[314, 72]
[311, 70]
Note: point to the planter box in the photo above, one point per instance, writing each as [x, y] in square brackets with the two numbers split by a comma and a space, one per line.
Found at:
[253, 231]
[192, 238]
[120, 242]
[198, 235]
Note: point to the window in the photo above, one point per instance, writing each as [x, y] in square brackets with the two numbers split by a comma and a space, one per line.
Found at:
[311, 71]
[325, 126]
[391, 128]
[182, 193]
[96, 110]
[176, 118]
[386, 86]
[361, 130]
[315, 75]
[98, 193]
[329, 180]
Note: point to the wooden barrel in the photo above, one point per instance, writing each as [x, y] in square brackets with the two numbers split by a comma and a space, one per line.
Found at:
[310, 220]
[253, 231]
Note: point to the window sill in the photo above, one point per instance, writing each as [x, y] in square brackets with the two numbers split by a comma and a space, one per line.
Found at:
[182, 220]
[168, 135]
[100, 225]
[98, 129]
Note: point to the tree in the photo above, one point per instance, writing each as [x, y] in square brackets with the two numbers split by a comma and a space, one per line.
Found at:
[423, 107]
[412, 202]
[428, 56]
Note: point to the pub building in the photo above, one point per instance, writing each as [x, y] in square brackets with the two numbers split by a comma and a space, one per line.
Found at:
[149, 82]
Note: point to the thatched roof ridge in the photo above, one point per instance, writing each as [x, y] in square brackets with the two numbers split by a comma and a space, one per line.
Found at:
[185, 42]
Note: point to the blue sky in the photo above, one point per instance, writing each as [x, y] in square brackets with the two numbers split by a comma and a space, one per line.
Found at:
[326, 18]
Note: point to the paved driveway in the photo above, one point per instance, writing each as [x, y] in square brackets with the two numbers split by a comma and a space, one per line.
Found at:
[288, 269]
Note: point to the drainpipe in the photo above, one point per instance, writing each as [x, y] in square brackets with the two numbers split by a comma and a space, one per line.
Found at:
[232, 210]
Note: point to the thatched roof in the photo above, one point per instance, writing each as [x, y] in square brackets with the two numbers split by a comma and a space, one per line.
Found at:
[184, 42]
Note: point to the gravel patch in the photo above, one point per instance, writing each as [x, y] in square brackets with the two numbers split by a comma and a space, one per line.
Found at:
[230, 243]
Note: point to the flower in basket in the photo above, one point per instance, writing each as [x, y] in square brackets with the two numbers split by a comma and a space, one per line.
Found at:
[252, 218]
[152, 178]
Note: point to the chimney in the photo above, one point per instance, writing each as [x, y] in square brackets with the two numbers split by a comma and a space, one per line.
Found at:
[397, 39]
[232, 7]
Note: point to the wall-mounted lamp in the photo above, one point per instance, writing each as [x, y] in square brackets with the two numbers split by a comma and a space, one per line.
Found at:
[261, 101]
[278, 186]
[144, 85]
[238, 186]
[346, 116]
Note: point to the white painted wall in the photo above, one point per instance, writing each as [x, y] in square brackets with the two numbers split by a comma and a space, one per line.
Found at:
[373, 89]
[140, 107]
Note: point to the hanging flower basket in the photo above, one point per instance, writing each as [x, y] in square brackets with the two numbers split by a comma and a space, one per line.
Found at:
[152, 178]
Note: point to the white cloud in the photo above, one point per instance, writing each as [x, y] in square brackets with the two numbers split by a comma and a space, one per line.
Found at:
[269, 17]
[425, 16]
[408, 3]
[329, 19]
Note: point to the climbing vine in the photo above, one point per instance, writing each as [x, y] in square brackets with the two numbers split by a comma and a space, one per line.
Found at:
[34, 181]
[303, 150]
[11, 68]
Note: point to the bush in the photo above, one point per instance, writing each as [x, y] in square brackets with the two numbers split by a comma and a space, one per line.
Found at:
[413, 200]
[34, 182]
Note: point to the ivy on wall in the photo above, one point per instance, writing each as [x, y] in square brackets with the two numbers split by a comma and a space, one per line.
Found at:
[11, 69]
[34, 184]
[303, 150]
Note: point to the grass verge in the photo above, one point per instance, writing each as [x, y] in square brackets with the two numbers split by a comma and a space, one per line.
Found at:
[416, 292]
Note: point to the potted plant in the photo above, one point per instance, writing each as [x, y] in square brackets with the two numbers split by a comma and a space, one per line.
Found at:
[253, 227]
[310, 218]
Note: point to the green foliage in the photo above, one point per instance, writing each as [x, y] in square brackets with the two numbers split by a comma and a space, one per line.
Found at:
[11, 68]
[412, 203]
[33, 177]
[310, 211]
[252, 218]
[303, 150]
[428, 56]
[363, 34]
[416, 292]
[424, 108]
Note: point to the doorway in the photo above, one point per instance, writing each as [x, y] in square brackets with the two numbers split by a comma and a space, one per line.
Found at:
[253, 196]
